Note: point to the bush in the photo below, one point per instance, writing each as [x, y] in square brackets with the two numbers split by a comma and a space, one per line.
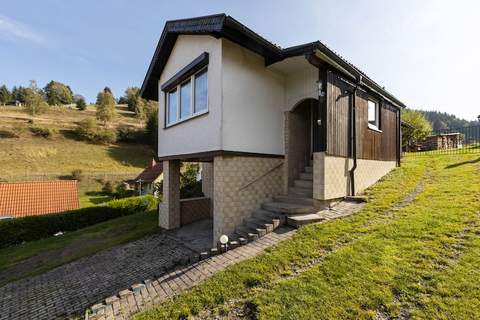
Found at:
[128, 134]
[42, 132]
[89, 130]
[77, 174]
[19, 230]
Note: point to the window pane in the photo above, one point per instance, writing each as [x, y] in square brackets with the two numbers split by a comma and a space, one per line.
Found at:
[372, 112]
[185, 98]
[201, 92]
[172, 106]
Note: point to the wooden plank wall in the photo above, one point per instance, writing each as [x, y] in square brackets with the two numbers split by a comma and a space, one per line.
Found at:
[371, 144]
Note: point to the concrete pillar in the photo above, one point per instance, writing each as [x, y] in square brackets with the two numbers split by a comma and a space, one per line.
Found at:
[207, 179]
[169, 209]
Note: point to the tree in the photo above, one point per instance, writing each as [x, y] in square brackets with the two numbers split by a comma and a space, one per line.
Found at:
[5, 95]
[34, 100]
[58, 93]
[18, 93]
[131, 97]
[151, 128]
[420, 127]
[107, 89]
[80, 102]
[105, 107]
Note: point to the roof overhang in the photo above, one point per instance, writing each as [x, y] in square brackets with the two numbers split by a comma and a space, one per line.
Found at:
[224, 26]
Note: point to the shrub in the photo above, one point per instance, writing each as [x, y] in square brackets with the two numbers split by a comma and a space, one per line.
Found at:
[128, 134]
[77, 174]
[88, 129]
[42, 132]
[106, 136]
[19, 230]
[107, 188]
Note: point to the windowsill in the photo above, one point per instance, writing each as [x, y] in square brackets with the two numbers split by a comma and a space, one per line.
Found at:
[193, 116]
[374, 128]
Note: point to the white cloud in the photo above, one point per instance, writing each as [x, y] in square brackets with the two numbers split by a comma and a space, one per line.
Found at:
[15, 30]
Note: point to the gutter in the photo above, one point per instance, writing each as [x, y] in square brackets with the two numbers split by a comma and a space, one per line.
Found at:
[353, 130]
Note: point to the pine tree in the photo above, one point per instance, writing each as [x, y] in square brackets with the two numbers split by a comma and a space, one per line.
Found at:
[5, 95]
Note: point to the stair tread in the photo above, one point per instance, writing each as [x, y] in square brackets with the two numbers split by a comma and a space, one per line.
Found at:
[288, 208]
[303, 219]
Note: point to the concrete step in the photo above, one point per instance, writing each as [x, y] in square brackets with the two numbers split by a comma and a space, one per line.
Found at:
[251, 230]
[258, 223]
[287, 208]
[276, 218]
[306, 176]
[309, 169]
[303, 219]
[250, 236]
[294, 199]
[301, 192]
[303, 183]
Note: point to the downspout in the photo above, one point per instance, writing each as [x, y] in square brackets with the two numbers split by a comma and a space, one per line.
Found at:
[354, 141]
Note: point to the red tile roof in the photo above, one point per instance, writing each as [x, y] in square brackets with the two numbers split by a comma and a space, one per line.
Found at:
[151, 172]
[21, 199]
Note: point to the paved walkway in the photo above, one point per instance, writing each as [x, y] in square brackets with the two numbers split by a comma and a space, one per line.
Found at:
[144, 295]
[71, 288]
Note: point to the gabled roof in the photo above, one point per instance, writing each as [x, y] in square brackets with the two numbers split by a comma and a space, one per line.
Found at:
[151, 173]
[222, 25]
[21, 199]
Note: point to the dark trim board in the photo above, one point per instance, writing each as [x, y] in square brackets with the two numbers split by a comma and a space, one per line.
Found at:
[194, 66]
[208, 156]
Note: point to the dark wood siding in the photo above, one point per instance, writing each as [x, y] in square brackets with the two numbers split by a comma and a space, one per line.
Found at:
[371, 144]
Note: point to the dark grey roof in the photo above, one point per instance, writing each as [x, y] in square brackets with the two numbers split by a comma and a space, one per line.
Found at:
[221, 25]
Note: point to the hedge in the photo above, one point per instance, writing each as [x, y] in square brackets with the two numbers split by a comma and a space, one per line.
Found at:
[16, 231]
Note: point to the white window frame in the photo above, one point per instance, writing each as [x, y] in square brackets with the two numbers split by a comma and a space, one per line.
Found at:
[193, 113]
[375, 126]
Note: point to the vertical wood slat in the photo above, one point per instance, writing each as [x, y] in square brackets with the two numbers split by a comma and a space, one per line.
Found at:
[370, 144]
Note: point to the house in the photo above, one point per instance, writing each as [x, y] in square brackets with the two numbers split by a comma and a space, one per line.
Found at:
[285, 130]
[22, 199]
[442, 141]
[147, 179]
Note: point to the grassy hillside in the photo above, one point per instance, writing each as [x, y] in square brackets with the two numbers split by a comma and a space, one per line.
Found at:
[411, 253]
[24, 156]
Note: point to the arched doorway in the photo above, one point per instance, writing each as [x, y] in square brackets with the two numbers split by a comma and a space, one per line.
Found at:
[301, 137]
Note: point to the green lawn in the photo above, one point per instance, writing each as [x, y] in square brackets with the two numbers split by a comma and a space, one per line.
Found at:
[94, 199]
[415, 259]
[39, 256]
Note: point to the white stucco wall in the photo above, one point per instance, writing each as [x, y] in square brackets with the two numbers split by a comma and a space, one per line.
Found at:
[246, 100]
[253, 99]
[300, 85]
[202, 133]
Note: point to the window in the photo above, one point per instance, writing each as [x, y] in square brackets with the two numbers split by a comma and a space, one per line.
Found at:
[185, 100]
[373, 115]
[188, 99]
[201, 91]
[172, 106]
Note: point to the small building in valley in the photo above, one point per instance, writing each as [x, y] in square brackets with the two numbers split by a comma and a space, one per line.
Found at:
[22, 199]
[146, 180]
[442, 141]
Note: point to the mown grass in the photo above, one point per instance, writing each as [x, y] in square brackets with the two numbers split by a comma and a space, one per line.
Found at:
[89, 200]
[248, 280]
[36, 257]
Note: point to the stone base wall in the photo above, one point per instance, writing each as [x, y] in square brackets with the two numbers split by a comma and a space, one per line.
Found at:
[241, 184]
[169, 208]
[194, 209]
[331, 175]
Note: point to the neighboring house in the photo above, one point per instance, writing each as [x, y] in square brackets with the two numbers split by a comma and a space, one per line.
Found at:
[441, 141]
[21, 199]
[147, 179]
[300, 125]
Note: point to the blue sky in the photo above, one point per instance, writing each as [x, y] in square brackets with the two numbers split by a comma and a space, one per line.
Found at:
[425, 52]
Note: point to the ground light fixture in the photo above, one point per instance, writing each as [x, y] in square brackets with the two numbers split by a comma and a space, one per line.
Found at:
[224, 242]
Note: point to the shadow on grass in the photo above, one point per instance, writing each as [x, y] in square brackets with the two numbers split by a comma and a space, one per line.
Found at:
[458, 164]
[134, 155]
